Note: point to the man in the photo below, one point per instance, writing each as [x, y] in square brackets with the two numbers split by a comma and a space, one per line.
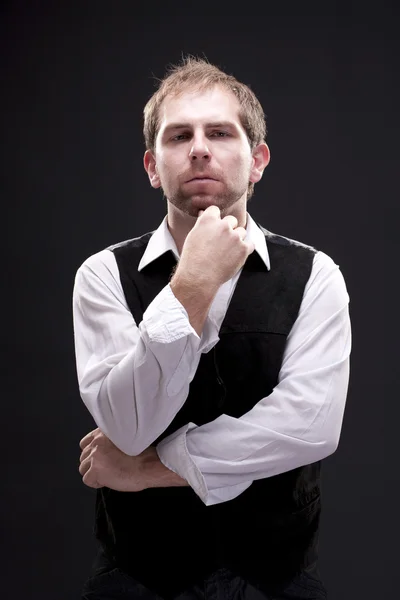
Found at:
[213, 356]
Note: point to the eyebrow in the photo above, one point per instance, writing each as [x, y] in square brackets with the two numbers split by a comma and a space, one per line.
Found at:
[175, 126]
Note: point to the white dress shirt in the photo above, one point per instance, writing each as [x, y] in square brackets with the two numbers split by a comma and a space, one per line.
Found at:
[134, 380]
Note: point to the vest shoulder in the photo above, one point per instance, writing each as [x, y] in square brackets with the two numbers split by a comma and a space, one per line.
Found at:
[105, 259]
[137, 242]
[281, 240]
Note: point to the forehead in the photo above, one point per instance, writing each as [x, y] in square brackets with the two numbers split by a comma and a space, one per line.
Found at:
[212, 105]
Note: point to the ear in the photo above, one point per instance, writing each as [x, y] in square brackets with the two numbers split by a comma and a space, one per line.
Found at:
[261, 158]
[150, 166]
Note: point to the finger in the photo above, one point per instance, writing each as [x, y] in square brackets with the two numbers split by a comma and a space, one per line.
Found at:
[233, 222]
[250, 247]
[85, 465]
[88, 438]
[85, 453]
[212, 210]
[200, 213]
[241, 232]
[89, 474]
[90, 479]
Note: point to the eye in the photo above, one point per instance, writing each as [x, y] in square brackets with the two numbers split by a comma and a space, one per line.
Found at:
[220, 134]
[179, 137]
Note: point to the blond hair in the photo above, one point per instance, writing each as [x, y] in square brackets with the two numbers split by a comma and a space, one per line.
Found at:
[197, 74]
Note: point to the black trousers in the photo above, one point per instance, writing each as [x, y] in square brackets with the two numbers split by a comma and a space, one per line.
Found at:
[110, 583]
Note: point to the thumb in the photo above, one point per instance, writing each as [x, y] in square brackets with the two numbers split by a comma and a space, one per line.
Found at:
[250, 247]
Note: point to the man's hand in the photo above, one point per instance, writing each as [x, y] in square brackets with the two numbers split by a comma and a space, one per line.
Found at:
[103, 464]
[214, 249]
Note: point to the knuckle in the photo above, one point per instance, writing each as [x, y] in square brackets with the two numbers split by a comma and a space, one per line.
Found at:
[225, 224]
[239, 233]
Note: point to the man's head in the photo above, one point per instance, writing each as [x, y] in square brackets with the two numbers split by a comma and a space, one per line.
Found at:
[205, 138]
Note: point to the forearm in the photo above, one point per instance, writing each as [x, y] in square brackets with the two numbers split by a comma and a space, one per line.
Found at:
[195, 298]
[156, 474]
[133, 379]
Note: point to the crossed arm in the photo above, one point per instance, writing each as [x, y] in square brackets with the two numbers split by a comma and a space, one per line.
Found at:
[298, 423]
[103, 464]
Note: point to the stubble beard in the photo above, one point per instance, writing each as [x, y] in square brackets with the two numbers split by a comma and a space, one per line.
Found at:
[224, 201]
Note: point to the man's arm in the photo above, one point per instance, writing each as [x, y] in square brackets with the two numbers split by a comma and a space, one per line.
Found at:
[133, 380]
[298, 423]
[196, 300]
[102, 464]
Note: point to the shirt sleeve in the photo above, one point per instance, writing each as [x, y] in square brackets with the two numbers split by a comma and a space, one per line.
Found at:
[298, 423]
[133, 379]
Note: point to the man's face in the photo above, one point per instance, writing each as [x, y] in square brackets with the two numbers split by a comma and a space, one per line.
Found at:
[202, 154]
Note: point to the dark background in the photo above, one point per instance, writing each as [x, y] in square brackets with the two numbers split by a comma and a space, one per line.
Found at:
[75, 78]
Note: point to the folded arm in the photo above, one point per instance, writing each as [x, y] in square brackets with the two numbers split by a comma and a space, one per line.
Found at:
[298, 423]
[133, 379]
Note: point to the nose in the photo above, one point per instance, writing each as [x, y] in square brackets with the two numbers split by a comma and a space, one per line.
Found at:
[199, 149]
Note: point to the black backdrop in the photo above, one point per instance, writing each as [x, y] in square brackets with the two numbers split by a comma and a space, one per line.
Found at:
[75, 80]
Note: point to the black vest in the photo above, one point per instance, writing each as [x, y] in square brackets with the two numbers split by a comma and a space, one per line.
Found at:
[167, 538]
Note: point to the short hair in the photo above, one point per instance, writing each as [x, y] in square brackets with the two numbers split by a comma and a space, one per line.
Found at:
[197, 74]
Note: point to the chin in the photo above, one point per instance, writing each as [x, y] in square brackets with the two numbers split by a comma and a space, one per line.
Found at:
[190, 205]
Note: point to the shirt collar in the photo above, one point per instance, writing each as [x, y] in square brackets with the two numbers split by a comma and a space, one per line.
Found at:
[161, 241]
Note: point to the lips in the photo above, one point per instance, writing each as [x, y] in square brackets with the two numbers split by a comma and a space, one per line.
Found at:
[198, 178]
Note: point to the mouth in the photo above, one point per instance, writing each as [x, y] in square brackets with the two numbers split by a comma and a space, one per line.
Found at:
[201, 179]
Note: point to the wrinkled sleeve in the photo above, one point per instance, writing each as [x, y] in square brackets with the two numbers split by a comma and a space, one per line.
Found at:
[132, 378]
[298, 423]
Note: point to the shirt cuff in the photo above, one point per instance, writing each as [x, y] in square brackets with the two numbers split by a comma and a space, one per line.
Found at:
[166, 320]
[173, 453]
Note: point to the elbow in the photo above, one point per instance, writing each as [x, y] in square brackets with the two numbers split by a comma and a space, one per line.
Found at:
[120, 437]
[120, 431]
[320, 447]
[111, 402]
[325, 441]
[328, 447]
[125, 438]
[131, 445]
[126, 449]
[117, 422]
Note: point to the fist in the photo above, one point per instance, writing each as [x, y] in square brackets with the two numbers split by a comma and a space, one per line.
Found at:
[215, 249]
[102, 464]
